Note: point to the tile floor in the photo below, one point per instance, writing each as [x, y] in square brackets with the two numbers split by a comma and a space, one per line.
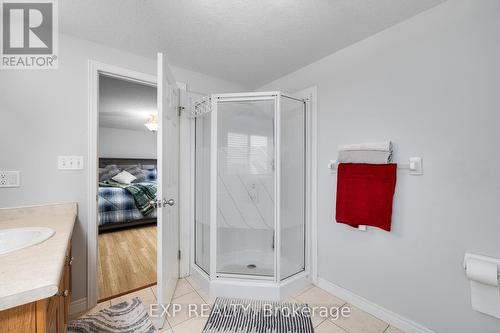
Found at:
[188, 292]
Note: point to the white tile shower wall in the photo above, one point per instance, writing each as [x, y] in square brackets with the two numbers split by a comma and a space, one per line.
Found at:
[430, 84]
[44, 114]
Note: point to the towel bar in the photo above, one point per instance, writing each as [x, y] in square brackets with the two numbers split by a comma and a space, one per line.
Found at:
[414, 166]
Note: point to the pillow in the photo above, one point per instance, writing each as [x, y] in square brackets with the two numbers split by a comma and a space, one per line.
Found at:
[124, 177]
[108, 172]
[150, 175]
[137, 173]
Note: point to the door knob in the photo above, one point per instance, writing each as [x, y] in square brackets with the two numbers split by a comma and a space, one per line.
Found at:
[155, 203]
[170, 202]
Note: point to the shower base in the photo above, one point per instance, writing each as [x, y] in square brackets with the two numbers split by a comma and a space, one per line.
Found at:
[239, 286]
[247, 263]
[250, 269]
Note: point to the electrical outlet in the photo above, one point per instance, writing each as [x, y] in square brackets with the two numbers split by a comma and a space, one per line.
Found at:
[70, 162]
[9, 179]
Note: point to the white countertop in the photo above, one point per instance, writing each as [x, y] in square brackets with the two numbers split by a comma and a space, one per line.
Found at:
[33, 273]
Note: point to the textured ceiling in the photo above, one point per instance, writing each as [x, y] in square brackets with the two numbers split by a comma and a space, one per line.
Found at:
[247, 41]
[125, 105]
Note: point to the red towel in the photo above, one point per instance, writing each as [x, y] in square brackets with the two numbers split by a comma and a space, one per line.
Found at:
[365, 193]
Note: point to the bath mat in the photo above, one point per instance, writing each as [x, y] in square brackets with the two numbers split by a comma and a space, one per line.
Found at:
[231, 315]
[126, 317]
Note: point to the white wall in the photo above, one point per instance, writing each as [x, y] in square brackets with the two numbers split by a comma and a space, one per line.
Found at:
[124, 143]
[44, 114]
[430, 84]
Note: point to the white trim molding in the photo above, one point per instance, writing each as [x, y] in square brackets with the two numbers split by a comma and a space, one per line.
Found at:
[186, 182]
[376, 310]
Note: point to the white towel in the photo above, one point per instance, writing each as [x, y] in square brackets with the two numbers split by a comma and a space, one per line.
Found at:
[370, 152]
[364, 156]
[380, 146]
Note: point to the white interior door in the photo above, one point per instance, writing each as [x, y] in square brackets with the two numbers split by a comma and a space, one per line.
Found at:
[168, 182]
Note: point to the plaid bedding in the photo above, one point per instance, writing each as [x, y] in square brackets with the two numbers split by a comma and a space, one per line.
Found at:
[123, 203]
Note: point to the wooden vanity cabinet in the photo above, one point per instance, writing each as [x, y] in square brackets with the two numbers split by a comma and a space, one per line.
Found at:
[50, 315]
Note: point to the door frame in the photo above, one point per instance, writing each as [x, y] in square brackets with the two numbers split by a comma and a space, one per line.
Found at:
[186, 180]
[95, 69]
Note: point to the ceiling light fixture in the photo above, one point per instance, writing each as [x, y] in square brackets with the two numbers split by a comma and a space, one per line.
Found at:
[152, 123]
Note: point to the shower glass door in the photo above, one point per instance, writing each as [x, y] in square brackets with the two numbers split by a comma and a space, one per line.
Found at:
[245, 186]
[202, 192]
[292, 205]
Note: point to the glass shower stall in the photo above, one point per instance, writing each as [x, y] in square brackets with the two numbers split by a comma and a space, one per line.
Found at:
[250, 171]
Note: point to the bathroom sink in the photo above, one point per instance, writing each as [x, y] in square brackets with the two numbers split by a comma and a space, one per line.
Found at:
[19, 238]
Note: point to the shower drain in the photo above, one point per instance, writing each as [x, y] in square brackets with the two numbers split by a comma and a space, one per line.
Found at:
[251, 266]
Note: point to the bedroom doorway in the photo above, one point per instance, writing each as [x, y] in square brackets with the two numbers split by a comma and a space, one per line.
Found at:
[127, 161]
[166, 202]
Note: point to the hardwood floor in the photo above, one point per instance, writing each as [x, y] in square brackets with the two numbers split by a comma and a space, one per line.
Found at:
[127, 261]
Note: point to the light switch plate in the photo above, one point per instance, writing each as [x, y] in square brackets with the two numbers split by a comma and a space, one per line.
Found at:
[70, 162]
[10, 178]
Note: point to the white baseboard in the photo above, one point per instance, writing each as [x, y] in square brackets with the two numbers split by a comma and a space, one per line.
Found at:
[388, 316]
[78, 306]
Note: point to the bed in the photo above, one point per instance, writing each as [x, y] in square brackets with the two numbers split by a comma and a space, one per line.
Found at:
[123, 206]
